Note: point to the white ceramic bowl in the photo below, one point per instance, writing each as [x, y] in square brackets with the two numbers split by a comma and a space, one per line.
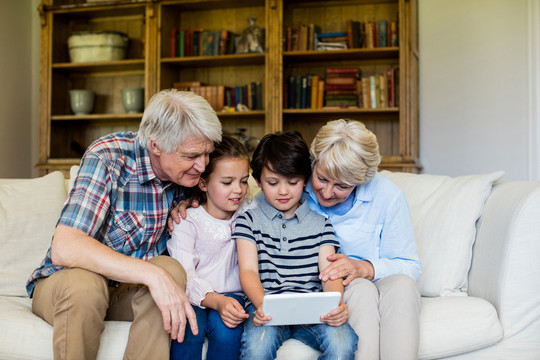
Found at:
[87, 46]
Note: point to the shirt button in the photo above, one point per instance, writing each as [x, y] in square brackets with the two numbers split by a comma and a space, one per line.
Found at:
[280, 216]
[284, 226]
[284, 239]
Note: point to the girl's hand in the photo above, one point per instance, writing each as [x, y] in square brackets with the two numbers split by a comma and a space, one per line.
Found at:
[338, 316]
[180, 211]
[349, 269]
[260, 318]
[231, 312]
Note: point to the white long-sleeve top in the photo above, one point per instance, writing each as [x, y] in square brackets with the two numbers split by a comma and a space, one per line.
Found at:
[203, 245]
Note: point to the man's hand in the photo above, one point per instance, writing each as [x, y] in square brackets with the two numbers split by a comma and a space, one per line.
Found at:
[179, 211]
[173, 304]
[343, 266]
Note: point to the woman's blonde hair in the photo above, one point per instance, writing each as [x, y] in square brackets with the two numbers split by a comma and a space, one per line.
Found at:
[347, 151]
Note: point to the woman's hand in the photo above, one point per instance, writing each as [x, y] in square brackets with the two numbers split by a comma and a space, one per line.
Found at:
[260, 318]
[231, 312]
[338, 316]
[180, 211]
[349, 269]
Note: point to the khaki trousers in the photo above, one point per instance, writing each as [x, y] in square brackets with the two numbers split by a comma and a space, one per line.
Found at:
[76, 303]
[385, 316]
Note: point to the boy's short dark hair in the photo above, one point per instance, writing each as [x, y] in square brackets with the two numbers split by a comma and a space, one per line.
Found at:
[284, 153]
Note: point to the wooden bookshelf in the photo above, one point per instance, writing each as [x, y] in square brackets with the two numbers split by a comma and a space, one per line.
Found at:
[151, 65]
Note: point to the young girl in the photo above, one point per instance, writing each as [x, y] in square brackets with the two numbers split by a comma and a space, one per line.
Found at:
[202, 244]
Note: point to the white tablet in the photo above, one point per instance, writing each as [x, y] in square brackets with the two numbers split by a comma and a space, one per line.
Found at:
[296, 309]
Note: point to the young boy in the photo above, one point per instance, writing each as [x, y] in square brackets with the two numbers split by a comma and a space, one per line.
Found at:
[282, 246]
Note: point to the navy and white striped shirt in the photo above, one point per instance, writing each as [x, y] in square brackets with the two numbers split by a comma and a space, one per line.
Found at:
[288, 248]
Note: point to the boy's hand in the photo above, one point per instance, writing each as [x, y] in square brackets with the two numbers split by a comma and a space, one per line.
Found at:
[260, 318]
[231, 312]
[180, 211]
[338, 316]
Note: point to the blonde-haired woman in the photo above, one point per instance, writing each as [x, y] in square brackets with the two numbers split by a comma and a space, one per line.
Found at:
[378, 260]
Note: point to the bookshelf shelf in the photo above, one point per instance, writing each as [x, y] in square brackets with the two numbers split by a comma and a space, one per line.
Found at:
[349, 54]
[218, 60]
[341, 111]
[109, 66]
[153, 63]
[98, 117]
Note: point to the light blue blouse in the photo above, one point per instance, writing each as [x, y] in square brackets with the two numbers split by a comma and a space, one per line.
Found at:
[377, 227]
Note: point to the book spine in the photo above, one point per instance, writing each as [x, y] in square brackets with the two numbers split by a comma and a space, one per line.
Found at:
[383, 33]
[291, 92]
[314, 91]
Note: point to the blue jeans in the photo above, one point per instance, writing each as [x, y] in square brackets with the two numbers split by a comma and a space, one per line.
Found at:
[263, 342]
[223, 342]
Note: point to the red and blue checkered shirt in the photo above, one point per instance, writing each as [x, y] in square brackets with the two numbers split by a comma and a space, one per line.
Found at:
[118, 200]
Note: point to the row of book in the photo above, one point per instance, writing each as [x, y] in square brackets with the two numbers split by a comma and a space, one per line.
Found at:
[358, 34]
[344, 87]
[198, 42]
[222, 97]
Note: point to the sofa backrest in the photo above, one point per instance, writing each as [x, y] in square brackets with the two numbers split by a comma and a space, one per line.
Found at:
[29, 210]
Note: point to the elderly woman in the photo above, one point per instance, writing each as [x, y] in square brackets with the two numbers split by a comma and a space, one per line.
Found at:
[378, 260]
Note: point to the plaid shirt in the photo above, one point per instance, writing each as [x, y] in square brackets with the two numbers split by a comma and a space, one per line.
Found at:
[118, 200]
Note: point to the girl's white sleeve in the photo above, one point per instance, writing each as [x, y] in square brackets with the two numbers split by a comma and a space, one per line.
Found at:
[181, 246]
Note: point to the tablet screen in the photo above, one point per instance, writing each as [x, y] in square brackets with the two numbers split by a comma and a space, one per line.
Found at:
[296, 309]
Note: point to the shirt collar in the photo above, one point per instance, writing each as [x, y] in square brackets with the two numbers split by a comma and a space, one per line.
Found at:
[271, 212]
[145, 172]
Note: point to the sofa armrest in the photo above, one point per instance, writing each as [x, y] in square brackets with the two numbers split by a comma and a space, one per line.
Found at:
[505, 268]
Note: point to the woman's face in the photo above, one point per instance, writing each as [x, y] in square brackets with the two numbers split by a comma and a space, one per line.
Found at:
[329, 192]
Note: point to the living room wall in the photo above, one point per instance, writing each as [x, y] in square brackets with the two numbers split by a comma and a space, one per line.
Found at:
[19, 74]
[479, 87]
[479, 81]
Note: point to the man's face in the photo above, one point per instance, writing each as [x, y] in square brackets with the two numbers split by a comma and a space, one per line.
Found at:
[185, 165]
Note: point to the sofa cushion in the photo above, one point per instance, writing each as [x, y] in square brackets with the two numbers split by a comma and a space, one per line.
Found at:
[30, 337]
[452, 325]
[444, 212]
[29, 210]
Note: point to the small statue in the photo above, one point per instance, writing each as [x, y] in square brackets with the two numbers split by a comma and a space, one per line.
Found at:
[252, 39]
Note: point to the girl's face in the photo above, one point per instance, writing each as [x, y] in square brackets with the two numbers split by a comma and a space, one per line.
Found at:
[226, 187]
[282, 193]
[328, 191]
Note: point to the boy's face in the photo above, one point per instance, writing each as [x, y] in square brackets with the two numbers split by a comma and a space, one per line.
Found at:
[282, 193]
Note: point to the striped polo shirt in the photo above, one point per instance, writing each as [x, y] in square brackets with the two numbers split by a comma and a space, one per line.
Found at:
[288, 249]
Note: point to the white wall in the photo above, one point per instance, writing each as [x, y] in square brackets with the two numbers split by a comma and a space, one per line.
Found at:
[16, 95]
[477, 87]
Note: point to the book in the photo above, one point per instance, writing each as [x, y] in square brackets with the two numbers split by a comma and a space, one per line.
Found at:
[342, 70]
[174, 32]
[350, 42]
[393, 34]
[320, 94]
[303, 93]
[314, 91]
[383, 33]
[181, 36]
[291, 92]
[341, 80]
[259, 94]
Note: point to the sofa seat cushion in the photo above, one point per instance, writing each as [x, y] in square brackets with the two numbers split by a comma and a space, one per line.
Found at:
[26, 336]
[452, 325]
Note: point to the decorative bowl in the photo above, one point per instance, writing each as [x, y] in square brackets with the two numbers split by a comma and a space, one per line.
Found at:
[88, 46]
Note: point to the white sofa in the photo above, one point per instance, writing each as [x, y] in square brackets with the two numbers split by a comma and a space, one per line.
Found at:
[481, 279]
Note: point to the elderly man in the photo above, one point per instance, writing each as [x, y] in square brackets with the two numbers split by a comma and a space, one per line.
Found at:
[104, 262]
